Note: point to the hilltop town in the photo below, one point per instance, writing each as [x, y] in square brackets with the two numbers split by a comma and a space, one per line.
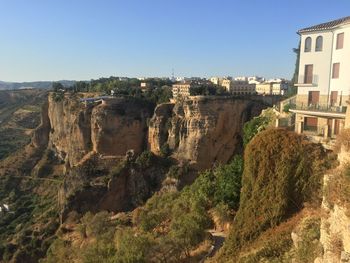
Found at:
[224, 169]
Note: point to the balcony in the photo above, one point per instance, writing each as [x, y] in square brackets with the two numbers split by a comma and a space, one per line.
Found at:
[314, 130]
[307, 80]
[319, 110]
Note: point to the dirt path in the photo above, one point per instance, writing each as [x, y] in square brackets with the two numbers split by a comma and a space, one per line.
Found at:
[219, 239]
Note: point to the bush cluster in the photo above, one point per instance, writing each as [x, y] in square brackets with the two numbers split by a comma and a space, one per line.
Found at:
[281, 172]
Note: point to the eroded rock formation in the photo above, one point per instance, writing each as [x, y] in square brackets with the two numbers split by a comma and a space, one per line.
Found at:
[92, 136]
[202, 131]
[111, 127]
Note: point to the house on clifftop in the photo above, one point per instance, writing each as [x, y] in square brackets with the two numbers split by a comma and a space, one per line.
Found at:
[324, 80]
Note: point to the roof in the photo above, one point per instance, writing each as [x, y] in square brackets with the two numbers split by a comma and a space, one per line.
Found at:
[327, 25]
[183, 83]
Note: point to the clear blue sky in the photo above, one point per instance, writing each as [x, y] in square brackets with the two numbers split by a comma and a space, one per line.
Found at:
[84, 39]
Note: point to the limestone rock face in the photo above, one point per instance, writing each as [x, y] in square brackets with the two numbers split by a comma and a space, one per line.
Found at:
[70, 128]
[41, 134]
[108, 128]
[91, 138]
[202, 131]
[159, 127]
[118, 126]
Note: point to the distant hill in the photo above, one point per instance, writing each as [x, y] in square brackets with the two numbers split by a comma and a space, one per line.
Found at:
[34, 84]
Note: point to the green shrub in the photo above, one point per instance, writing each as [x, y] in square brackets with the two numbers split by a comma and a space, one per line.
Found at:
[223, 212]
[98, 225]
[118, 169]
[99, 251]
[156, 210]
[132, 247]
[187, 231]
[309, 246]
[145, 159]
[57, 96]
[165, 150]
[228, 183]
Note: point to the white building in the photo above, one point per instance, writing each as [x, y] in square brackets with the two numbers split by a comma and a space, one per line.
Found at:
[279, 88]
[241, 78]
[324, 79]
[239, 87]
[181, 90]
[256, 80]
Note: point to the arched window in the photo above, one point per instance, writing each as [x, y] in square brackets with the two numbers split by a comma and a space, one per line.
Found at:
[319, 43]
[307, 47]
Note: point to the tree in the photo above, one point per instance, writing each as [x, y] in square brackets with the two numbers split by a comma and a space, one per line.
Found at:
[228, 183]
[296, 69]
[57, 86]
[187, 232]
[252, 127]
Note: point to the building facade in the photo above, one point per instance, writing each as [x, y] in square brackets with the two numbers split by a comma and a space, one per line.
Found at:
[279, 88]
[238, 87]
[181, 90]
[272, 88]
[264, 88]
[323, 81]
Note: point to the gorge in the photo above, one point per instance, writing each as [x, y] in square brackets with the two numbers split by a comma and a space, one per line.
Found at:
[102, 172]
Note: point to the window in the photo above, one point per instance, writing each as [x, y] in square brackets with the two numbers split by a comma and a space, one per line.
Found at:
[310, 124]
[308, 74]
[340, 41]
[335, 71]
[319, 43]
[307, 47]
[333, 99]
[314, 98]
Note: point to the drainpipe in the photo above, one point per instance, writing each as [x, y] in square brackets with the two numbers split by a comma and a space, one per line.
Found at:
[330, 71]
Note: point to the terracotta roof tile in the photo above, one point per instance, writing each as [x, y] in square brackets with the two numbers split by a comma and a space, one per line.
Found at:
[327, 25]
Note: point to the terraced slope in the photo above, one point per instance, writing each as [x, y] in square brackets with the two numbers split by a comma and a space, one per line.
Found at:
[19, 116]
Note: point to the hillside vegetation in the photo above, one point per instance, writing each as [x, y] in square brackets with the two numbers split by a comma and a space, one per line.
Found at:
[282, 172]
[166, 229]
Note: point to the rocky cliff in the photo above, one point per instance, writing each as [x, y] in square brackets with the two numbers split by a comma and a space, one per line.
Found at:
[202, 131]
[111, 127]
[92, 136]
[335, 222]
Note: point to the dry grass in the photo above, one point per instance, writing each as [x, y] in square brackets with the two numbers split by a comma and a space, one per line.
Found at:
[336, 244]
[343, 139]
[337, 190]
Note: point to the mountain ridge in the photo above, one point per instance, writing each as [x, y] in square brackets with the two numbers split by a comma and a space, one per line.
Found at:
[6, 85]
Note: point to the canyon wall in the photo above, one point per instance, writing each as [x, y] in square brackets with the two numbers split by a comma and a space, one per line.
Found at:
[92, 137]
[202, 131]
[111, 127]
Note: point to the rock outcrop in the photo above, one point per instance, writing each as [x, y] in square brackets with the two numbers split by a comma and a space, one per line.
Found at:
[70, 122]
[41, 134]
[202, 131]
[335, 224]
[92, 136]
[119, 125]
[111, 127]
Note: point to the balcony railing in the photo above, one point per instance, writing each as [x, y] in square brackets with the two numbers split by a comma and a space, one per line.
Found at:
[307, 80]
[318, 107]
[314, 130]
[311, 128]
